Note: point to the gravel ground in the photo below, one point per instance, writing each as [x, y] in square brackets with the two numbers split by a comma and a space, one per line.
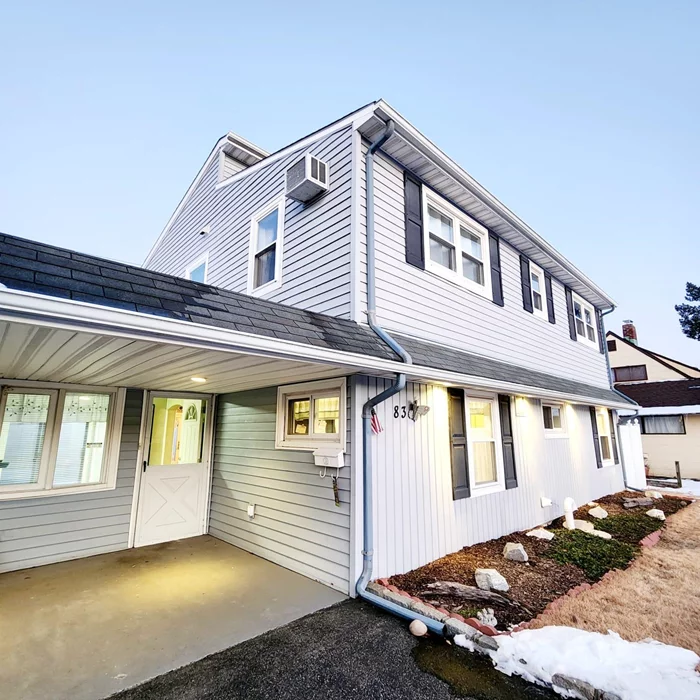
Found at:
[351, 650]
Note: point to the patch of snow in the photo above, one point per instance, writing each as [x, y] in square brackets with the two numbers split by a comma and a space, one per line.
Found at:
[645, 670]
[461, 640]
[690, 486]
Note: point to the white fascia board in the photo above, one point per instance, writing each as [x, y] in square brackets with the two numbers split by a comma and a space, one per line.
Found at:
[317, 135]
[457, 173]
[50, 312]
[665, 410]
[245, 145]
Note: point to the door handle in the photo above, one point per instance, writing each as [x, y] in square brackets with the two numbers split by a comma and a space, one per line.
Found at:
[145, 464]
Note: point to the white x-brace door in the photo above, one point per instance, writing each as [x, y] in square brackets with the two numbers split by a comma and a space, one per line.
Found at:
[175, 468]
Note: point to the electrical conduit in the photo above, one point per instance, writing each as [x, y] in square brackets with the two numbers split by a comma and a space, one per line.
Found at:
[398, 385]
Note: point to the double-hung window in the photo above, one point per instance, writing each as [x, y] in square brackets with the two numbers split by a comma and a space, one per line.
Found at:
[458, 246]
[311, 415]
[631, 373]
[58, 440]
[584, 317]
[604, 435]
[265, 262]
[537, 286]
[482, 436]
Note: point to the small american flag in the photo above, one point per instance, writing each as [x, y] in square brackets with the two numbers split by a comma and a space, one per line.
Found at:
[376, 425]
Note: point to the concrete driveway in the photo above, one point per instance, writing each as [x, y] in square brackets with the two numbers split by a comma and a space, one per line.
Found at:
[347, 651]
[84, 629]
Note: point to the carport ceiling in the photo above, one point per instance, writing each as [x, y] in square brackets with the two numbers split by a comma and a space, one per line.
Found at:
[40, 353]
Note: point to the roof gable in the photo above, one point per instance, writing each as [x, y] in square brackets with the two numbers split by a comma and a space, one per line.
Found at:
[650, 355]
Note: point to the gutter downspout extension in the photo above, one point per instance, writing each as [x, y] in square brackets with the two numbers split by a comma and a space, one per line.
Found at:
[398, 385]
[619, 393]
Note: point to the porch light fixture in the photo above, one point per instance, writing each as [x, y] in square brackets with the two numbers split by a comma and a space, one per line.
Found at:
[198, 380]
[521, 407]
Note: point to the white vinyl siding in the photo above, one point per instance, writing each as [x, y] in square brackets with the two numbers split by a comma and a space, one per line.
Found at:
[416, 519]
[316, 258]
[47, 530]
[416, 302]
[296, 523]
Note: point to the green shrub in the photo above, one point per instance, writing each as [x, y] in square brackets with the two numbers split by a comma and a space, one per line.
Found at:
[630, 528]
[592, 554]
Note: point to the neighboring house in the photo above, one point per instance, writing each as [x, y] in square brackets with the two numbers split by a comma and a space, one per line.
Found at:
[668, 392]
[212, 391]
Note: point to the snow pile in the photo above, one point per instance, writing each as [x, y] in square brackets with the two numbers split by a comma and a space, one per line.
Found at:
[690, 486]
[645, 670]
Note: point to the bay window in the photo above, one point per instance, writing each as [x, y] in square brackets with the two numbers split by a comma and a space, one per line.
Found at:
[57, 440]
[458, 246]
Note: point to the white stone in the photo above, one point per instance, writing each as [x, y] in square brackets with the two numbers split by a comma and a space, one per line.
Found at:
[602, 534]
[514, 551]
[486, 617]
[541, 534]
[656, 513]
[584, 525]
[653, 494]
[490, 580]
[418, 628]
[598, 512]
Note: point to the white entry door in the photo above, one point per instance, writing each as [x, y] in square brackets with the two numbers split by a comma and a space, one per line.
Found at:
[174, 486]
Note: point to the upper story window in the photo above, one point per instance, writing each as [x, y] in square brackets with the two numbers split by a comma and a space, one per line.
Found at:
[265, 262]
[458, 247]
[311, 415]
[58, 440]
[537, 286]
[631, 373]
[197, 271]
[584, 316]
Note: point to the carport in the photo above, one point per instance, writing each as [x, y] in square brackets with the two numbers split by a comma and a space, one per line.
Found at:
[85, 629]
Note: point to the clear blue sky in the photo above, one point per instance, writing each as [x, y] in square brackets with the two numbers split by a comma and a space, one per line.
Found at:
[581, 117]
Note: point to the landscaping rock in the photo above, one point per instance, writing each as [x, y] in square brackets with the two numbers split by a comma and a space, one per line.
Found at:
[486, 617]
[490, 580]
[598, 513]
[541, 534]
[653, 494]
[601, 533]
[486, 644]
[657, 514]
[584, 525]
[580, 689]
[454, 627]
[514, 551]
[636, 502]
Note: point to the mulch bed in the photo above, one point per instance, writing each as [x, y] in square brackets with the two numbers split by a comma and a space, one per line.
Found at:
[533, 584]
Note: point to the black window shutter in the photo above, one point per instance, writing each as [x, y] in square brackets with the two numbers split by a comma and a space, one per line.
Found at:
[414, 221]
[526, 283]
[550, 297]
[496, 280]
[613, 436]
[507, 440]
[458, 444]
[596, 439]
[570, 313]
[601, 339]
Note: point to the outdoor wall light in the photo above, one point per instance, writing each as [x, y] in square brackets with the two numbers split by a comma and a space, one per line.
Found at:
[521, 407]
[198, 380]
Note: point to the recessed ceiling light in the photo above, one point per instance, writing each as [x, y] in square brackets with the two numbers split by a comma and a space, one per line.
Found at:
[199, 380]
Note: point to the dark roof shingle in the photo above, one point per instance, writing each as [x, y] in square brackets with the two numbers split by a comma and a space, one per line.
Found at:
[680, 392]
[43, 269]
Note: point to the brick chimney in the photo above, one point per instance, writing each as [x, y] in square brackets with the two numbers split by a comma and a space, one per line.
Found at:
[629, 332]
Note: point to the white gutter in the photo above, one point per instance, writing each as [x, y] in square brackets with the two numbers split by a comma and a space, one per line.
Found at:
[663, 410]
[25, 307]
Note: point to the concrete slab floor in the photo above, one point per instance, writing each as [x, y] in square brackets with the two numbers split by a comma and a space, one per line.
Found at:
[87, 628]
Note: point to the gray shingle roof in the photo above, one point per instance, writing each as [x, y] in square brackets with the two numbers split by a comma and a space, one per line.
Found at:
[42, 269]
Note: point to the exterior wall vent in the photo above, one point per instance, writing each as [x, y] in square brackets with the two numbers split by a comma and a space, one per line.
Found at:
[307, 178]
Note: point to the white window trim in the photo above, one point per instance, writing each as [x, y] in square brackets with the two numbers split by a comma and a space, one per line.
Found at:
[459, 217]
[543, 312]
[309, 442]
[276, 282]
[554, 433]
[43, 488]
[585, 305]
[499, 485]
[196, 263]
[606, 417]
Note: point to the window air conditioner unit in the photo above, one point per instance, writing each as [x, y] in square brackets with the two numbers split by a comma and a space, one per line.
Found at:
[307, 178]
